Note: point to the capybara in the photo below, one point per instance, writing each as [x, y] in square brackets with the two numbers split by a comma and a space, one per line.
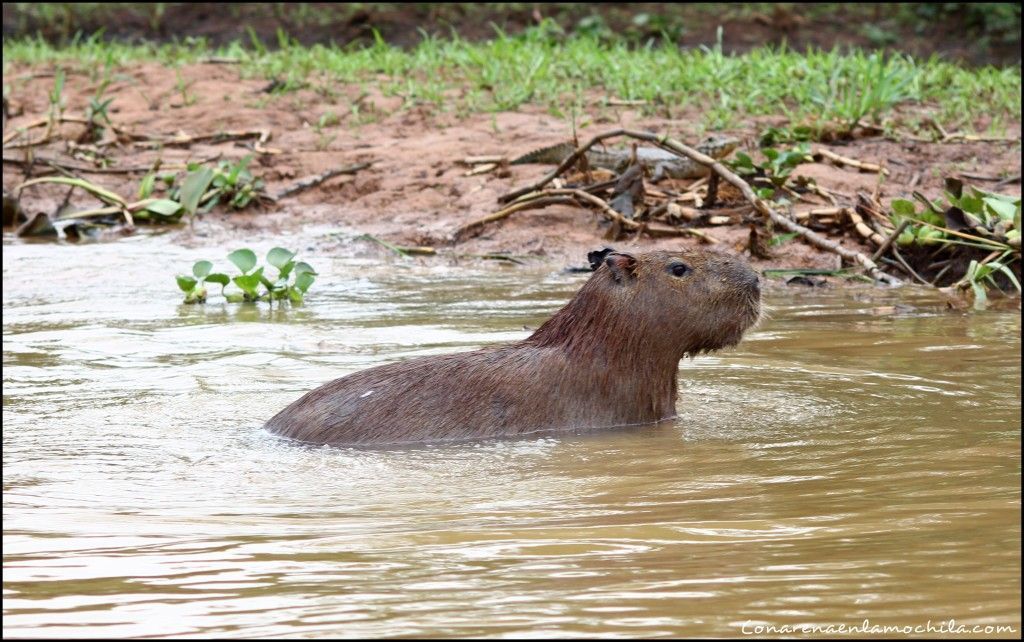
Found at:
[608, 358]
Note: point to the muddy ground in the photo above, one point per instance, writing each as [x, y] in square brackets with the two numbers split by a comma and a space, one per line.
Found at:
[415, 191]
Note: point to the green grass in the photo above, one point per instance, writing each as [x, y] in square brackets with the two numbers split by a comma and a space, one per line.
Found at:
[540, 68]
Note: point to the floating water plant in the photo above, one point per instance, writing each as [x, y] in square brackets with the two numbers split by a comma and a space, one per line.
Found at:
[292, 280]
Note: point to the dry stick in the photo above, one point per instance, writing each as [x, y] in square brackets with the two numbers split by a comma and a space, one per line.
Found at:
[862, 227]
[316, 180]
[482, 160]
[508, 211]
[85, 169]
[601, 205]
[1007, 181]
[909, 269]
[884, 247]
[481, 168]
[261, 135]
[41, 122]
[852, 162]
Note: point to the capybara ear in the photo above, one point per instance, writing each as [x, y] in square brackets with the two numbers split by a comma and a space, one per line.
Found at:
[596, 257]
[622, 265]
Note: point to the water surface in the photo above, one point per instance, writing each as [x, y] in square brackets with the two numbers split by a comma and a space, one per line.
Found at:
[858, 456]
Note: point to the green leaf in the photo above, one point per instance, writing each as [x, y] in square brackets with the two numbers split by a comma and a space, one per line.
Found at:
[238, 169]
[279, 257]
[146, 186]
[249, 283]
[1005, 269]
[186, 283]
[295, 294]
[267, 283]
[1005, 211]
[779, 239]
[303, 280]
[903, 207]
[284, 271]
[234, 297]
[218, 277]
[194, 187]
[303, 267]
[164, 207]
[244, 259]
[201, 269]
[980, 296]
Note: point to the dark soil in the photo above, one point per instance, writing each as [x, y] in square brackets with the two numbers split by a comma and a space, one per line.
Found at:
[974, 33]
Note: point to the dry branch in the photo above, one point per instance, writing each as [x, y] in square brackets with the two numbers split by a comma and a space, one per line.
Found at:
[313, 181]
[852, 162]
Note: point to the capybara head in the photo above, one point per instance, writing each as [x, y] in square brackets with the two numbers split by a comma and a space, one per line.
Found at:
[673, 303]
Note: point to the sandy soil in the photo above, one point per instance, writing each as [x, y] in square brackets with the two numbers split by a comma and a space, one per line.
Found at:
[415, 192]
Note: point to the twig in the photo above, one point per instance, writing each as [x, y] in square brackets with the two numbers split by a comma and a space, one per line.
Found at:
[601, 205]
[659, 231]
[884, 247]
[821, 211]
[481, 160]
[712, 194]
[1008, 180]
[399, 249]
[482, 168]
[862, 227]
[494, 257]
[262, 135]
[313, 181]
[909, 269]
[42, 122]
[852, 162]
[980, 177]
[462, 231]
[85, 169]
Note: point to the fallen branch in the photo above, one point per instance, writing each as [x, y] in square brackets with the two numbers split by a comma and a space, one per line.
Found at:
[261, 136]
[472, 226]
[884, 247]
[43, 122]
[481, 168]
[655, 230]
[313, 181]
[481, 160]
[399, 249]
[85, 169]
[852, 162]
[862, 227]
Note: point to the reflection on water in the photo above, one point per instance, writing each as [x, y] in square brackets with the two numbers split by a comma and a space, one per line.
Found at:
[858, 456]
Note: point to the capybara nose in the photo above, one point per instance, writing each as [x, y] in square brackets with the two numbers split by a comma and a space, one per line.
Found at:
[754, 282]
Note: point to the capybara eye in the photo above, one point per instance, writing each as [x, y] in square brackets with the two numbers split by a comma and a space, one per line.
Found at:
[679, 269]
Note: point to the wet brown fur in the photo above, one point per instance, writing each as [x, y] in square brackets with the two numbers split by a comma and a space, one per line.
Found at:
[608, 358]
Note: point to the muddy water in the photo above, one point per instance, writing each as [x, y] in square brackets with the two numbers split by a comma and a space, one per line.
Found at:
[858, 457]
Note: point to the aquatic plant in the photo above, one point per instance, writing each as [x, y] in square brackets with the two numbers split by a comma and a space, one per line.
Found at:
[292, 280]
[973, 225]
